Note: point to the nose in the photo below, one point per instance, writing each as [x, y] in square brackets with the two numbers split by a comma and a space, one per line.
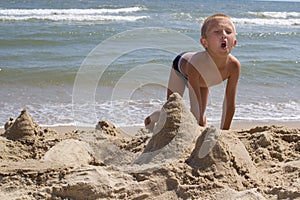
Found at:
[223, 34]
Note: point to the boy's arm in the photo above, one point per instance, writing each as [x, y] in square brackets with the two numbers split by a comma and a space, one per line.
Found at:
[230, 96]
[198, 95]
[204, 91]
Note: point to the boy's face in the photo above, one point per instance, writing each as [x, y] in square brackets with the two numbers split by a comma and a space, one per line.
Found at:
[220, 37]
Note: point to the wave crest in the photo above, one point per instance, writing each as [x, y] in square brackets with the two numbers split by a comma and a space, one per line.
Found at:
[276, 15]
[71, 14]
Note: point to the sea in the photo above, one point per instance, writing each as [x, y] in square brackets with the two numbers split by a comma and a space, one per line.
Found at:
[76, 62]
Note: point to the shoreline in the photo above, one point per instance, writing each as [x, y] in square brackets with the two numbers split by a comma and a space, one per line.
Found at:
[132, 130]
[236, 125]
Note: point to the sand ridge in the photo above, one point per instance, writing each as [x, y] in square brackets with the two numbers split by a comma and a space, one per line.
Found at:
[179, 161]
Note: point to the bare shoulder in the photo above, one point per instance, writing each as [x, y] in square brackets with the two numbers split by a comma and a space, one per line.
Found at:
[234, 64]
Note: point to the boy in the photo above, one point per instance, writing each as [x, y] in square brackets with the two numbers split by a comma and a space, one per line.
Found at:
[201, 70]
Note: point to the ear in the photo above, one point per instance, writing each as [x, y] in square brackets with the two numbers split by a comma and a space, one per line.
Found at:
[234, 43]
[203, 42]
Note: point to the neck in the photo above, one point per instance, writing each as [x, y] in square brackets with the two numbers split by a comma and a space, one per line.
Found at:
[220, 61]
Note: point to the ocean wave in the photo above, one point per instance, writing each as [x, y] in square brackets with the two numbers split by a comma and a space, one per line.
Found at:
[268, 111]
[74, 18]
[71, 14]
[260, 21]
[278, 19]
[17, 12]
[271, 18]
[276, 15]
[131, 113]
[270, 34]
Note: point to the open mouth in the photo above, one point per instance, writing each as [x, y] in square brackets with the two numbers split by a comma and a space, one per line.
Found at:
[223, 45]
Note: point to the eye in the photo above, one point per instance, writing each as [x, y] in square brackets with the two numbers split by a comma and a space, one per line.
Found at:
[228, 32]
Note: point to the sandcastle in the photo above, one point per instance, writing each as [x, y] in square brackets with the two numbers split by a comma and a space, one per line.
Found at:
[22, 128]
[173, 135]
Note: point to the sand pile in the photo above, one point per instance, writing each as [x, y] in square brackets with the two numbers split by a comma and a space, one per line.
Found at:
[108, 128]
[70, 152]
[22, 129]
[222, 152]
[24, 139]
[173, 135]
[179, 160]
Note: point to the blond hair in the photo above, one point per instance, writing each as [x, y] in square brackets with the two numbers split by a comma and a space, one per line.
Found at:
[208, 21]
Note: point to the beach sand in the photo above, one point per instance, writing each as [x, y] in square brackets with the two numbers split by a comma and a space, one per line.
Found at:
[179, 160]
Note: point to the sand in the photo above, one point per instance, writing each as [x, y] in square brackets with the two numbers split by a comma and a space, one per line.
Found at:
[179, 160]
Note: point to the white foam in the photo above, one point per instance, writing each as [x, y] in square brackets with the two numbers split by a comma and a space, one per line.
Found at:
[270, 18]
[71, 14]
[261, 21]
[278, 15]
[18, 12]
[264, 111]
[74, 18]
[133, 112]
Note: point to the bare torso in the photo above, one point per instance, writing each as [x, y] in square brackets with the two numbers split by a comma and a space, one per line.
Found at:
[210, 74]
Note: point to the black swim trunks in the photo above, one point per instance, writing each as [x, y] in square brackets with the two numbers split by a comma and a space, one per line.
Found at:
[176, 66]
